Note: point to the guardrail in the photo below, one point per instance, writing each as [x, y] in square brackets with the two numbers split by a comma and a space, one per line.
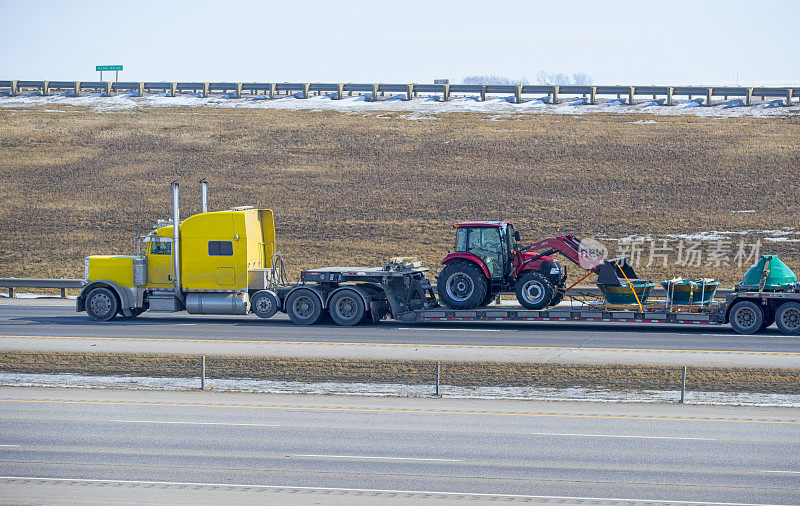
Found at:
[627, 94]
[440, 377]
[63, 284]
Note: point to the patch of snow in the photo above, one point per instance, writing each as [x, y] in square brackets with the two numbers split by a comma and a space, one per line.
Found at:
[643, 122]
[396, 390]
[421, 106]
[744, 211]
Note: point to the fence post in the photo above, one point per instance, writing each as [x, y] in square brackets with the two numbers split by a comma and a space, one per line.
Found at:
[749, 96]
[593, 96]
[205, 90]
[709, 94]
[683, 384]
[13, 87]
[670, 89]
[409, 91]
[483, 93]
[438, 370]
[631, 94]
[77, 89]
[203, 372]
[446, 92]
[63, 293]
[10, 292]
[45, 87]
[788, 97]
[339, 91]
[374, 93]
[555, 94]
[518, 94]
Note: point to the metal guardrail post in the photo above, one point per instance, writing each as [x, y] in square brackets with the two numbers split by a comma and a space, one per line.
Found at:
[593, 96]
[446, 92]
[10, 292]
[749, 99]
[203, 372]
[238, 90]
[483, 93]
[77, 89]
[339, 91]
[631, 94]
[670, 90]
[63, 293]
[518, 94]
[205, 90]
[788, 97]
[709, 94]
[272, 91]
[374, 93]
[438, 376]
[45, 88]
[409, 91]
[555, 94]
[13, 87]
[683, 384]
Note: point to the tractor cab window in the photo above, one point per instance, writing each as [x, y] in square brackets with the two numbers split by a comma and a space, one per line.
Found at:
[485, 243]
[161, 248]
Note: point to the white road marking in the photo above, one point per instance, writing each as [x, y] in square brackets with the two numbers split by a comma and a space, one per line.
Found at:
[366, 490]
[423, 329]
[378, 458]
[186, 324]
[618, 436]
[9, 446]
[779, 472]
[194, 423]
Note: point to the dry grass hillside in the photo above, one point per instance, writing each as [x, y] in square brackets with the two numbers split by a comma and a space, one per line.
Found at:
[355, 189]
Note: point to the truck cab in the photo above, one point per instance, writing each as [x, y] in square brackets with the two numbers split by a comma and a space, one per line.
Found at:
[214, 263]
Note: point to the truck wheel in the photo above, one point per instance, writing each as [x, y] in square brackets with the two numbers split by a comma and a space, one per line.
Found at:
[304, 307]
[788, 318]
[101, 304]
[746, 317]
[534, 290]
[347, 308]
[264, 304]
[462, 285]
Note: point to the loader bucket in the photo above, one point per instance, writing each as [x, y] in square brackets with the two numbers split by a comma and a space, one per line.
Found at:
[612, 272]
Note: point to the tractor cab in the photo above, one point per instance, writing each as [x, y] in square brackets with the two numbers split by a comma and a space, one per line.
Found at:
[494, 243]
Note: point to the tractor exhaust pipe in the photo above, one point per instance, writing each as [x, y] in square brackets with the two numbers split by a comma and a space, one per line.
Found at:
[204, 194]
[176, 239]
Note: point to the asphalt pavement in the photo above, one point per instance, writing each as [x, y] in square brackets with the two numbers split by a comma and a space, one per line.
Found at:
[42, 324]
[61, 446]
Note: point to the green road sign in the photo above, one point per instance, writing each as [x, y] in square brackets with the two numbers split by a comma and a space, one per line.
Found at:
[103, 68]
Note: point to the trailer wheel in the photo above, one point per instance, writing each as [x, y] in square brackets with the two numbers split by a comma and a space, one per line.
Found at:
[534, 290]
[347, 308]
[788, 318]
[264, 304]
[102, 304]
[461, 285]
[746, 317]
[304, 307]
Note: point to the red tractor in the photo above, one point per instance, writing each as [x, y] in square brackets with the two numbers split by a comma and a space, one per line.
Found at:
[488, 261]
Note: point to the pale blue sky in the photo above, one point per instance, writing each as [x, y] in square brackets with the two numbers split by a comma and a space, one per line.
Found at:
[678, 42]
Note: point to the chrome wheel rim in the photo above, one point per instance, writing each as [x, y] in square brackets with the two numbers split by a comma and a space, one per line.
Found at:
[100, 304]
[459, 287]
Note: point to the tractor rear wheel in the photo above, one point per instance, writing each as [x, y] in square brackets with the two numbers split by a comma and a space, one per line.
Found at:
[462, 285]
[534, 290]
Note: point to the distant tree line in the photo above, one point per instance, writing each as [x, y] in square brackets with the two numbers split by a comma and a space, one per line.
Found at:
[542, 77]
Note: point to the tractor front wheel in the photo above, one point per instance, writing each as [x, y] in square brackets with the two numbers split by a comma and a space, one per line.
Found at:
[462, 285]
[534, 290]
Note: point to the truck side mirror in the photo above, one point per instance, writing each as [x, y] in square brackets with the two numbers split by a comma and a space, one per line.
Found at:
[516, 235]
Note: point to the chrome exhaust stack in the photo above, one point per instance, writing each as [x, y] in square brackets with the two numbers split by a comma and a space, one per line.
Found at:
[176, 240]
[204, 194]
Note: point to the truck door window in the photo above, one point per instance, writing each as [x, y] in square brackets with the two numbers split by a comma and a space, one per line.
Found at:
[220, 248]
[160, 248]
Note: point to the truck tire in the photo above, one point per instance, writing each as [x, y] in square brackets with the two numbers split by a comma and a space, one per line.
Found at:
[304, 307]
[534, 290]
[347, 308]
[788, 318]
[102, 304]
[264, 304]
[462, 285]
[746, 317]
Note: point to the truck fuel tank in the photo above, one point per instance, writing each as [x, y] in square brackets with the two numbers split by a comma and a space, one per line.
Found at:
[217, 303]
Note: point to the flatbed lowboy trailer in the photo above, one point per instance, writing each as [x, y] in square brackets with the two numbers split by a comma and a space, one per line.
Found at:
[404, 294]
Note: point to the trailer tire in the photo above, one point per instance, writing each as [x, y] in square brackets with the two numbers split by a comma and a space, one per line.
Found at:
[788, 318]
[102, 304]
[304, 307]
[746, 317]
[346, 308]
[534, 290]
[264, 304]
[462, 285]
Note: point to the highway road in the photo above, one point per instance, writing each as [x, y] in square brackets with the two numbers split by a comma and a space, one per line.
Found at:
[62, 446]
[54, 324]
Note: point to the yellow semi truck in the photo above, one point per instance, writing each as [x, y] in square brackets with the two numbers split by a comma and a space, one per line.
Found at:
[211, 263]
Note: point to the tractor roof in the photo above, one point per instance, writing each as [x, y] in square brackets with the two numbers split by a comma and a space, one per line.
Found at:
[481, 224]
